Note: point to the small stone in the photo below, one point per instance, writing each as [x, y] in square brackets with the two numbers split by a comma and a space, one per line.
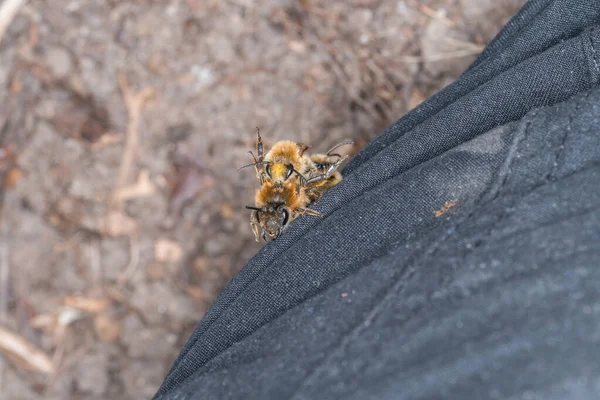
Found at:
[108, 329]
[59, 61]
[166, 250]
[216, 245]
[226, 210]
[297, 46]
[156, 271]
[92, 374]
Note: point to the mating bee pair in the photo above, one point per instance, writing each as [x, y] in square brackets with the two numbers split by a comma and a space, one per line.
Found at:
[290, 182]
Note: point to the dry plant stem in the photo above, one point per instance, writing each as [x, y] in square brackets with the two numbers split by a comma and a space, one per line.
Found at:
[4, 276]
[94, 255]
[3, 293]
[8, 11]
[440, 57]
[462, 43]
[430, 12]
[68, 361]
[134, 101]
[4, 273]
[23, 352]
[134, 260]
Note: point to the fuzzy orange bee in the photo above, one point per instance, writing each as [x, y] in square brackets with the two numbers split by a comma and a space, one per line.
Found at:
[290, 182]
[281, 161]
[276, 207]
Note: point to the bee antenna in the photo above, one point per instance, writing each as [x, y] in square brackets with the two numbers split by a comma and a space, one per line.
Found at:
[254, 164]
[253, 208]
[339, 145]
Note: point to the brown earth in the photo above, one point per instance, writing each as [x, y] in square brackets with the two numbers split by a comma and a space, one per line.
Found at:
[122, 124]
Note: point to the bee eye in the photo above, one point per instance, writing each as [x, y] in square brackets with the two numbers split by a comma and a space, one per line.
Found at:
[268, 170]
[285, 216]
[289, 171]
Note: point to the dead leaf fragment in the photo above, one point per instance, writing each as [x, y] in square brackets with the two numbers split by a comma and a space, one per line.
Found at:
[44, 322]
[191, 178]
[199, 296]
[416, 98]
[12, 177]
[88, 304]
[116, 223]
[24, 353]
[166, 250]
[445, 208]
[226, 210]
[107, 328]
[297, 46]
[156, 271]
[142, 187]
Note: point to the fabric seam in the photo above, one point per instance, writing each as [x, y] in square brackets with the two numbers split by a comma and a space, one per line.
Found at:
[594, 53]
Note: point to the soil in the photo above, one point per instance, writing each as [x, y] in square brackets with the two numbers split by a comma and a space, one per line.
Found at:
[114, 248]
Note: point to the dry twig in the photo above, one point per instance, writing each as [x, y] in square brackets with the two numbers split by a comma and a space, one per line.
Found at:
[134, 102]
[24, 353]
[92, 305]
[4, 277]
[4, 273]
[440, 57]
[141, 188]
[8, 11]
[464, 44]
[134, 260]
[430, 12]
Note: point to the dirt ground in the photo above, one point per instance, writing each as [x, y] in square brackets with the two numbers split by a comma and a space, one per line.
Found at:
[122, 124]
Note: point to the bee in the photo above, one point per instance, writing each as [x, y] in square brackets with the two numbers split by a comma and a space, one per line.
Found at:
[276, 206]
[281, 198]
[324, 173]
[281, 161]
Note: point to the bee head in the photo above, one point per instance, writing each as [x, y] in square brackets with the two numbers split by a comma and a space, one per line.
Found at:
[279, 172]
[272, 219]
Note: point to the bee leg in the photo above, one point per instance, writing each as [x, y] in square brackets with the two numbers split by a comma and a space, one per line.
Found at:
[308, 211]
[254, 225]
[329, 172]
[303, 180]
[259, 173]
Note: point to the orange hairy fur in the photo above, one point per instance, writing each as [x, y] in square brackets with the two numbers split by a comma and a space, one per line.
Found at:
[288, 194]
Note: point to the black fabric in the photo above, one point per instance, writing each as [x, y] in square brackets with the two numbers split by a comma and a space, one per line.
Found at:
[384, 298]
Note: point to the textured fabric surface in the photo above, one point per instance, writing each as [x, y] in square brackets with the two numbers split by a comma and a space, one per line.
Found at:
[384, 298]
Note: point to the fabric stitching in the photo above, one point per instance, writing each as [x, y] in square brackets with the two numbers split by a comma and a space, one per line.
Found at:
[594, 53]
[552, 173]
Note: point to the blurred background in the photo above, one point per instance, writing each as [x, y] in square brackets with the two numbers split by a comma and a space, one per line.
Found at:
[122, 124]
